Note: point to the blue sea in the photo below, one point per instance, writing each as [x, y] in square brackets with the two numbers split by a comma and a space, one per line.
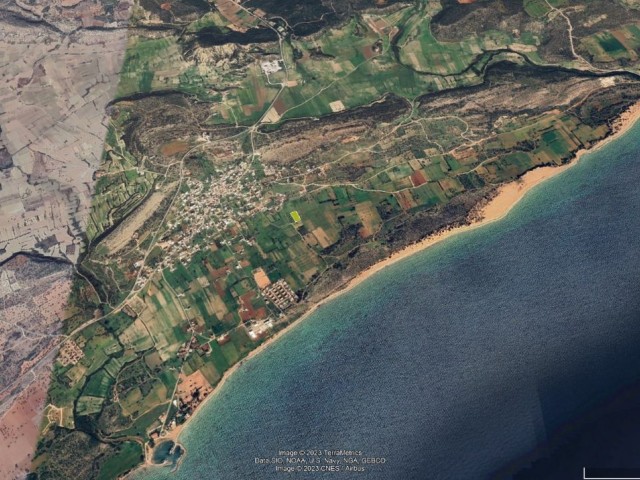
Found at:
[510, 351]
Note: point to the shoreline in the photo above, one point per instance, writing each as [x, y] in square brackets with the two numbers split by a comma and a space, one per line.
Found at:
[506, 197]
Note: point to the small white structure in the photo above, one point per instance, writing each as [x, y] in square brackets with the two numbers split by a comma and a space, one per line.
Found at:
[271, 67]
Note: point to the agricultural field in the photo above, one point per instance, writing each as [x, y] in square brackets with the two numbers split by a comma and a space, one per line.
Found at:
[614, 46]
[244, 180]
[346, 66]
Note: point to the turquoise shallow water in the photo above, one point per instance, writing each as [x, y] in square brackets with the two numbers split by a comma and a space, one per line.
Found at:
[456, 362]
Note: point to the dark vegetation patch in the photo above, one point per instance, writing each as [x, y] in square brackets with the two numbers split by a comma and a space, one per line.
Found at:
[5, 157]
[212, 36]
[454, 12]
[305, 18]
[555, 46]
[456, 21]
[604, 105]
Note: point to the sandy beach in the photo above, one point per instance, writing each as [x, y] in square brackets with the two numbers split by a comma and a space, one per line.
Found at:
[505, 198]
